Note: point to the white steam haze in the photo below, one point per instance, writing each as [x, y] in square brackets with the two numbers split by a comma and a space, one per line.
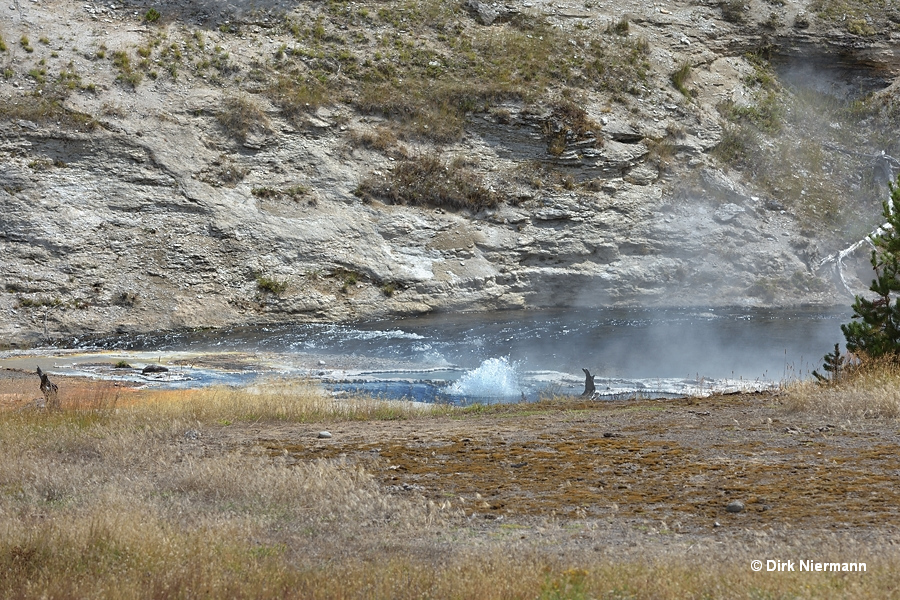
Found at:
[834, 83]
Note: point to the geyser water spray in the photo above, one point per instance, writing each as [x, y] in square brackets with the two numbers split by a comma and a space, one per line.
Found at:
[493, 378]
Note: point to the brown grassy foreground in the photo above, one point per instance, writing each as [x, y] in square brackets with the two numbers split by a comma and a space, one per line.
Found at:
[229, 493]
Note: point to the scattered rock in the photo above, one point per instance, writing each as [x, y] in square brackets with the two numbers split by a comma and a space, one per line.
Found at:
[406, 487]
[624, 134]
[643, 174]
[728, 213]
[488, 14]
[154, 369]
[324, 435]
[735, 506]
[192, 434]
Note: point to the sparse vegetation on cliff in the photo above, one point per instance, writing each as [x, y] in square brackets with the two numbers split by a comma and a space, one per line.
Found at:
[859, 17]
[789, 140]
[426, 180]
[561, 116]
[127, 74]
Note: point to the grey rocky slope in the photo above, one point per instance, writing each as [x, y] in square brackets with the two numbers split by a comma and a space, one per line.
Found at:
[227, 164]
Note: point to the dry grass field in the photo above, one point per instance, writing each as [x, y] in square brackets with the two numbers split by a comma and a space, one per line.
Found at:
[216, 493]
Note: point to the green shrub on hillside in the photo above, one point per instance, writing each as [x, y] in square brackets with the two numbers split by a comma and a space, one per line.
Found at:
[680, 77]
[270, 285]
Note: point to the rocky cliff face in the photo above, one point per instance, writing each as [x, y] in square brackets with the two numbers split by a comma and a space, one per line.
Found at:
[210, 164]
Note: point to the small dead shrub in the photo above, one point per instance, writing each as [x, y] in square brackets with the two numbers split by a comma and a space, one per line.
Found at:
[240, 116]
[662, 152]
[620, 27]
[380, 138]
[265, 192]
[734, 11]
[568, 122]
[225, 172]
[294, 192]
[126, 299]
[737, 145]
[425, 180]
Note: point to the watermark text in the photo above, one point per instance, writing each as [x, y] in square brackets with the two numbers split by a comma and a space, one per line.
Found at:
[807, 565]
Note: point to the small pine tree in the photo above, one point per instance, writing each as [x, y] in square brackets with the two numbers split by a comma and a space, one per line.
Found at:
[875, 330]
[834, 367]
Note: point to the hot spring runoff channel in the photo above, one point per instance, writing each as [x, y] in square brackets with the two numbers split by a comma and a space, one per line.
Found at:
[505, 356]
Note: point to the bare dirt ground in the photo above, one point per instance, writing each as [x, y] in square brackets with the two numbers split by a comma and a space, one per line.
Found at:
[662, 468]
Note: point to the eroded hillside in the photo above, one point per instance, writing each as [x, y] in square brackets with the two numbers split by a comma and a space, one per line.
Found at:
[195, 164]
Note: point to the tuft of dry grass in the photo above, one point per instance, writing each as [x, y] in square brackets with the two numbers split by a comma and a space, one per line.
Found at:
[379, 138]
[422, 109]
[288, 401]
[240, 116]
[298, 96]
[45, 111]
[680, 78]
[869, 390]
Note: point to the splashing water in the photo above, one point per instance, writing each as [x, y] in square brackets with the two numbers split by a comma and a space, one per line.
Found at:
[495, 377]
